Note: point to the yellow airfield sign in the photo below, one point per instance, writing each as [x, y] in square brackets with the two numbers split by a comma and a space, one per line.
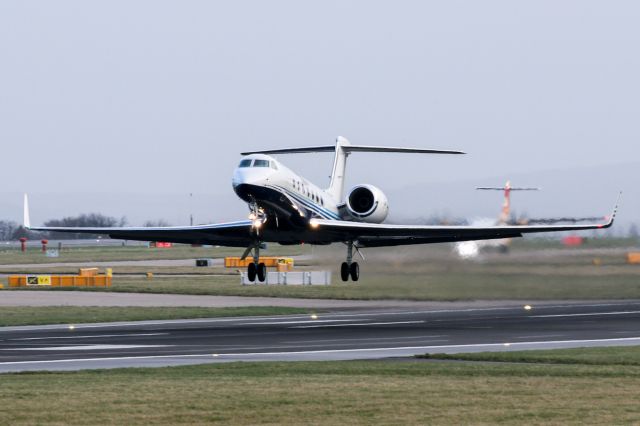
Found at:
[39, 280]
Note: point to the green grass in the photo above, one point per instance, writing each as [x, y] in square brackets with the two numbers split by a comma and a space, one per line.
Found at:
[416, 273]
[589, 243]
[434, 281]
[12, 316]
[115, 253]
[625, 355]
[360, 393]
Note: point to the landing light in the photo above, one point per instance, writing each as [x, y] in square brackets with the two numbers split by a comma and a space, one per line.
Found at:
[257, 223]
[72, 327]
[314, 224]
[314, 317]
[527, 307]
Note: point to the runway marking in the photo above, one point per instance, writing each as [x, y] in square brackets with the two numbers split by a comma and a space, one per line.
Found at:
[307, 321]
[95, 336]
[346, 339]
[586, 314]
[359, 324]
[85, 347]
[541, 336]
[419, 348]
[474, 345]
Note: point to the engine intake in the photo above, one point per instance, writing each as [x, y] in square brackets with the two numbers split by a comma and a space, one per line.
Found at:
[366, 203]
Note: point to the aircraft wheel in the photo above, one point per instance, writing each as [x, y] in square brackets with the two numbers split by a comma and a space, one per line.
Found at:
[251, 272]
[354, 271]
[262, 272]
[344, 271]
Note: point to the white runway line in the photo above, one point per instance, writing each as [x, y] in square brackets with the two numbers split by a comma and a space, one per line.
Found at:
[307, 321]
[85, 347]
[591, 314]
[96, 336]
[366, 339]
[359, 324]
[542, 336]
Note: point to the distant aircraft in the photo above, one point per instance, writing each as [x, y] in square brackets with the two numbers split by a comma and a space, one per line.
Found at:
[286, 208]
[467, 249]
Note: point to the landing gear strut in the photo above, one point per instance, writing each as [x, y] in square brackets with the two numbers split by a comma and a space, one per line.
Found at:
[350, 268]
[256, 269]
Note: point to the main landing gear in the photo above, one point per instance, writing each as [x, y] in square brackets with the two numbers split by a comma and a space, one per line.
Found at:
[350, 268]
[256, 269]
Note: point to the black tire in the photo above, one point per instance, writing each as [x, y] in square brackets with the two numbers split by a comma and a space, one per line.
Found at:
[251, 272]
[344, 271]
[354, 271]
[262, 272]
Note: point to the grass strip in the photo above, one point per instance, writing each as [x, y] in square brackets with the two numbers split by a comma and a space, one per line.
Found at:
[625, 355]
[14, 316]
[374, 392]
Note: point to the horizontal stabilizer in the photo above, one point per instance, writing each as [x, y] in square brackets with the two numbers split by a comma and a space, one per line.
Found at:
[353, 148]
[504, 188]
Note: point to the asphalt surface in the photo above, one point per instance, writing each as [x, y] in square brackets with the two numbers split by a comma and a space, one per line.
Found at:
[341, 335]
[87, 298]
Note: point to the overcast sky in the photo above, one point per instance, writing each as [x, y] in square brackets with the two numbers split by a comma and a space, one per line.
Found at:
[101, 102]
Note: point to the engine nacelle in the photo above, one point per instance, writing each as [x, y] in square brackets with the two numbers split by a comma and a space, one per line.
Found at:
[366, 203]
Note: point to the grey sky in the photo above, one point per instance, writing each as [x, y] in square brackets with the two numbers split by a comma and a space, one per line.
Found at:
[149, 97]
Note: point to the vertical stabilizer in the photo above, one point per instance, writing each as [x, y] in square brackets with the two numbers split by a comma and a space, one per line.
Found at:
[506, 205]
[26, 220]
[336, 186]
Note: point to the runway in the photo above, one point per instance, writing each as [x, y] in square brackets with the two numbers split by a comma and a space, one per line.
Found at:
[339, 335]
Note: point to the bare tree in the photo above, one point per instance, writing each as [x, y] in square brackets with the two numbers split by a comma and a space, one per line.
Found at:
[156, 223]
[91, 220]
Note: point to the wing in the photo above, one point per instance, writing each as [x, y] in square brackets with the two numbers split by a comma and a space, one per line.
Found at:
[380, 235]
[230, 234]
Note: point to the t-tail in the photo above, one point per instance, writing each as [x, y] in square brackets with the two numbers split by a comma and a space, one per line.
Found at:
[342, 150]
[506, 206]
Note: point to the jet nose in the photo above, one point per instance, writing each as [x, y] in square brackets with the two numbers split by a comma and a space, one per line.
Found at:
[251, 176]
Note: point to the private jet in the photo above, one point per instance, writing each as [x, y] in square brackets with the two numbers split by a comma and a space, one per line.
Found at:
[471, 249]
[287, 209]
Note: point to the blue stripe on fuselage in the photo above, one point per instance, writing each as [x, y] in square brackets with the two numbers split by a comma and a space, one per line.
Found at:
[325, 213]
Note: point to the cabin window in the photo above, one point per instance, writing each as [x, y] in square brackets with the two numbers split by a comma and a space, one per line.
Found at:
[261, 163]
[245, 163]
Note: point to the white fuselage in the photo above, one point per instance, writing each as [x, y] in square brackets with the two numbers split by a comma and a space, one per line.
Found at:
[261, 179]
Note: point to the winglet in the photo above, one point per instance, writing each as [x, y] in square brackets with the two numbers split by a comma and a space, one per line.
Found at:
[26, 218]
[612, 218]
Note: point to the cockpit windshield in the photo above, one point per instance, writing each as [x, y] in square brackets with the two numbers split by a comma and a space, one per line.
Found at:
[261, 163]
[245, 163]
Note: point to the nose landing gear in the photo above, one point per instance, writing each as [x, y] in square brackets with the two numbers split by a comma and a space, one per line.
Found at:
[350, 268]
